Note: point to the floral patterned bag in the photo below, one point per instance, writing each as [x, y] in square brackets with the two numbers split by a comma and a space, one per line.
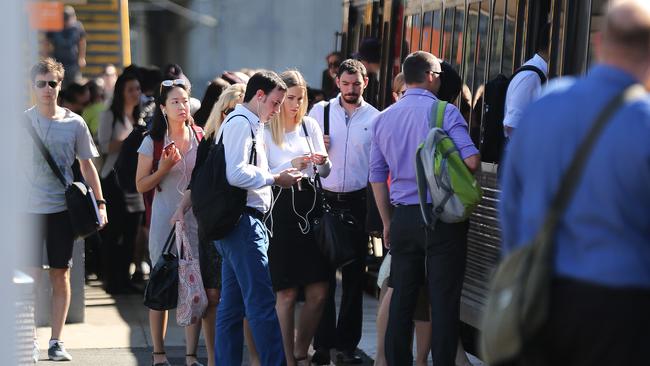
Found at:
[192, 300]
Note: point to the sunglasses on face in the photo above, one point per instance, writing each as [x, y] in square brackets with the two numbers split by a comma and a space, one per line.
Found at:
[42, 83]
[170, 83]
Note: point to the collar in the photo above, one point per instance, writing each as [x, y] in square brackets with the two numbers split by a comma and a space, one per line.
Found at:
[538, 62]
[253, 119]
[612, 75]
[419, 92]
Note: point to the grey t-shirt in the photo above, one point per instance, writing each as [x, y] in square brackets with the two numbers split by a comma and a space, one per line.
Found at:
[66, 139]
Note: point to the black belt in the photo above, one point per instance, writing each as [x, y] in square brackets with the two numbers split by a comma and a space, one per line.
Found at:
[254, 212]
[345, 196]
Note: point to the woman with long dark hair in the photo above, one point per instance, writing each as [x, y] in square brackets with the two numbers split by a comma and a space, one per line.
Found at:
[126, 209]
[172, 131]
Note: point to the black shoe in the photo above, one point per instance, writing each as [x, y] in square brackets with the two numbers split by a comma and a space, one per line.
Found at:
[349, 357]
[321, 357]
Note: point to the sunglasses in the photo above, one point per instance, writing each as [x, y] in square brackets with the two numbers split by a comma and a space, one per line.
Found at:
[42, 83]
[170, 83]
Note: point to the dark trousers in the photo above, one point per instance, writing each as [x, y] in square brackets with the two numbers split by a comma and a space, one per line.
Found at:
[592, 325]
[345, 333]
[443, 251]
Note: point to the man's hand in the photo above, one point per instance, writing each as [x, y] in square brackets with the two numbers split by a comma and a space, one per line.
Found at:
[103, 216]
[287, 177]
[82, 62]
[326, 141]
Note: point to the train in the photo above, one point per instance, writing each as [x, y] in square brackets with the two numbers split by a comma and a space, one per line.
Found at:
[480, 39]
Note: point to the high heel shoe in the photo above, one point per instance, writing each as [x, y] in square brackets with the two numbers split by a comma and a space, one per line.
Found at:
[195, 363]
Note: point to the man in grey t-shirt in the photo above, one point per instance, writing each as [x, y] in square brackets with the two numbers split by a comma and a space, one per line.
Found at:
[66, 137]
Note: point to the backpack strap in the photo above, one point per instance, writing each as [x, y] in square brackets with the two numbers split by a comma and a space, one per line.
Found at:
[326, 119]
[536, 69]
[198, 132]
[252, 157]
[437, 114]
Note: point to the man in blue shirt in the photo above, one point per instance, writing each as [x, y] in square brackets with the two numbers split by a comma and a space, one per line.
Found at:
[601, 294]
[396, 134]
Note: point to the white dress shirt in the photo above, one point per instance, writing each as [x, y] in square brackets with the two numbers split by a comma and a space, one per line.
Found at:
[349, 149]
[237, 142]
[524, 88]
[296, 144]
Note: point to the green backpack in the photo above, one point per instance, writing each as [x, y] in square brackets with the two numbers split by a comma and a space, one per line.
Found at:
[442, 173]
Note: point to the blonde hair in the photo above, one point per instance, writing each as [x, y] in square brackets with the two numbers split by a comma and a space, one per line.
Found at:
[228, 99]
[291, 78]
[398, 83]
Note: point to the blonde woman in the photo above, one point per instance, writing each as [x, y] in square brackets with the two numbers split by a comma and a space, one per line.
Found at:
[208, 256]
[293, 140]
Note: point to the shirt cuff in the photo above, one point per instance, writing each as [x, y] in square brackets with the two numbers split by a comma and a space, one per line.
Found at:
[268, 177]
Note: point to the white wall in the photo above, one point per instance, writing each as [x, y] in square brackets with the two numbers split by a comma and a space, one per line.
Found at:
[271, 34]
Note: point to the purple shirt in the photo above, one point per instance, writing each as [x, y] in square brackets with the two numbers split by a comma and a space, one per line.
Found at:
[396, 134]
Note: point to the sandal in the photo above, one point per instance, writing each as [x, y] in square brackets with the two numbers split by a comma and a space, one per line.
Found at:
[166, 363]
[195, 363]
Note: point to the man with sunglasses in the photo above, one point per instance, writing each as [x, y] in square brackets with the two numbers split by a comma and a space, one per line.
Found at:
[396, 134]
[67, 138]
[328, 85]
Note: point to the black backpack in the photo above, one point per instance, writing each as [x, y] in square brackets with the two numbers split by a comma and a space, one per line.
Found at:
[492, 136]
[127, 160]
[216, 204]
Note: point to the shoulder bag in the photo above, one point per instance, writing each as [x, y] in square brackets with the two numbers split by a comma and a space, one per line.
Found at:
[161, 292]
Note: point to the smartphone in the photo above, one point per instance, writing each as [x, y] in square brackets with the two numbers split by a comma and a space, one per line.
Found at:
[168, 146]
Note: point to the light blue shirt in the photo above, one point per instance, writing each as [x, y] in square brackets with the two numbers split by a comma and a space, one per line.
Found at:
[604, 236]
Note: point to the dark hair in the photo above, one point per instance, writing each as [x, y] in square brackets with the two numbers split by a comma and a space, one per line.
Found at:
[212, 93]
[72, 91]
[370, 50]
[96, 92]
[151, 78]
[159, 122]
[337, 54]
[416, 65]
[450, 83]
[173, 71]
[265, 81]
[117, 104]
[352, 66]
[543, 38]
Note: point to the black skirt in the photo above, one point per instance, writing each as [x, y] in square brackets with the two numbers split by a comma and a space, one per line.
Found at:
[294, 258]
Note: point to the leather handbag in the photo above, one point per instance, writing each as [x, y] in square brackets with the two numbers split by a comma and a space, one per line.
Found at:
[335, 231]
[79, 197]
[518, 302]
[192, 299]
[161, 292]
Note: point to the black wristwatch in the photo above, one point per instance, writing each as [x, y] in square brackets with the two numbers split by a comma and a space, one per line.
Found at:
[99, 202]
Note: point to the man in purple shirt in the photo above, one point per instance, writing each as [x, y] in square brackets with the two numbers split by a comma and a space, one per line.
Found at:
[396, 134]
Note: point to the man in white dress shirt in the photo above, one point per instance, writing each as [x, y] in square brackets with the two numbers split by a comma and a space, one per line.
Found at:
[347, 132]
[526, 86]
[246, 283]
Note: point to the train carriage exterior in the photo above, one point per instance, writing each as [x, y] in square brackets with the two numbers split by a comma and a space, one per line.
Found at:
[480, 39]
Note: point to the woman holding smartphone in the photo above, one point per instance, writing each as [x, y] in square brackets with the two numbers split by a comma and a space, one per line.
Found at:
[294, 140]
[171, 125]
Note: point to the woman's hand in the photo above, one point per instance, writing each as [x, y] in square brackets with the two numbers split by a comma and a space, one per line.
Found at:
[301, 162]
[170, 157]
[319, 159]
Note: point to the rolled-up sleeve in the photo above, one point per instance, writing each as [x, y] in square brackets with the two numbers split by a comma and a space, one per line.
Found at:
[237, 143]
[378, 167]
[456, 128]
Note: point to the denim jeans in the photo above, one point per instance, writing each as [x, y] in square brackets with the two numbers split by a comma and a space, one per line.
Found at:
[246, 292]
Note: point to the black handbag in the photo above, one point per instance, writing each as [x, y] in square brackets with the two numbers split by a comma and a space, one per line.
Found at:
[335, 231]
[79, 197]
[161, 292]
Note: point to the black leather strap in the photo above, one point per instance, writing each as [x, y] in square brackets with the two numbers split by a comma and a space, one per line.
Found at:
[45, 152]
[252, 157]
[326, 119]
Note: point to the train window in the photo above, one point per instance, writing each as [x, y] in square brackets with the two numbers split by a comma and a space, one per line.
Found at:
[508, 55]
[436, 32]
[470, 38]
[427, 32]
[496, 48]
[448, 29]
[456, 52]
[415, 32]
[407, 46]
